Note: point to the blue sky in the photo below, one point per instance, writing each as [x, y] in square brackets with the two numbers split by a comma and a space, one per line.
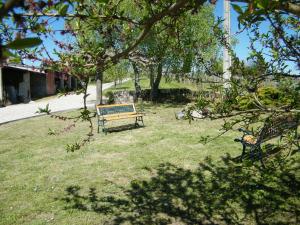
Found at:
[241, 48]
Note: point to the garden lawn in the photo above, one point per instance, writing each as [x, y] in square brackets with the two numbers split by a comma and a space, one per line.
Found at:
[36, 169]
[145, 84]
[38, 175]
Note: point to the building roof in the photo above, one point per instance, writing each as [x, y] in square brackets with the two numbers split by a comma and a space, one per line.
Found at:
[24, 67]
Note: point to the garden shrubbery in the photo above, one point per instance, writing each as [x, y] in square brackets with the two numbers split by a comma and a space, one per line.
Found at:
[272, 96]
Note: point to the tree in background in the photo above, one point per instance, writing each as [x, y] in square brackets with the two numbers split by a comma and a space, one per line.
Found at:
[118, 72]
[176, 50]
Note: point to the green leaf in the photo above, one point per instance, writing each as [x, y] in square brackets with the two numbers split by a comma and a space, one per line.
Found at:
[63, 10]
[263, 4]
[12, 57]
[6, 53]
[103, 1]
[24, 43]
[15, 59]
[237, 8]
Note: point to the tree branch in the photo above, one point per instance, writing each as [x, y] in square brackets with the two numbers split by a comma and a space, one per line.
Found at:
[289, 7]
[147, 28]
[8, 5]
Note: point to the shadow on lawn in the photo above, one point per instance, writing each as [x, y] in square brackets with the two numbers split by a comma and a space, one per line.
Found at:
[226, 193]
[123, 128]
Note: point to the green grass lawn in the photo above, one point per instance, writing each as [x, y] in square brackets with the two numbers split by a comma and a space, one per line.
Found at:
[145, 84]
[149, 175]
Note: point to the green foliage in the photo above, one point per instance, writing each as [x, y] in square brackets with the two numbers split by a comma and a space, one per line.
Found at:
[111, 97]
[269, 95]
[117, 72]
[24, 43]
[63, 9]
[272, 96]
[245, 102]
[73, 147]
[46, 110]
[202, 102]
[51, 132]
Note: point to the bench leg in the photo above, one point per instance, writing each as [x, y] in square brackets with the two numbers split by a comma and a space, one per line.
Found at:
[260, 155]
[137, 119]
[253, 151]
[136, 122]
[102, 124]
[244, 151]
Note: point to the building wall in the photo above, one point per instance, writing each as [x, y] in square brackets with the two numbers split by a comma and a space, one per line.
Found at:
[11, 80]
[50, 79]
[38, 85]
[24, 88]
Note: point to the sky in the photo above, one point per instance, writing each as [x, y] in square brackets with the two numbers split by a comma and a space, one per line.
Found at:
[242, 45]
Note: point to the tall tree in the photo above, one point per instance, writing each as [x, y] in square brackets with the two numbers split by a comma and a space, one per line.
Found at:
[177, 47]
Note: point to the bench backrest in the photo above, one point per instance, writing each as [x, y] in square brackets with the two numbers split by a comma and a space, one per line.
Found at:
[106, 110]
[276, 126]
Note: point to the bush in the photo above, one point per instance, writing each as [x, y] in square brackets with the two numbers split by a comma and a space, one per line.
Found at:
[111, 97]
[245, 102]
[269, 96]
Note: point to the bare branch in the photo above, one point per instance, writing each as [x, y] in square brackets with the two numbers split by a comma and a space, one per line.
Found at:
[9, 5]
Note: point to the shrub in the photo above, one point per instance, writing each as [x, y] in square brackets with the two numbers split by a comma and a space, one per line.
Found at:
[245, 102]
[111, 97]
[270, 96]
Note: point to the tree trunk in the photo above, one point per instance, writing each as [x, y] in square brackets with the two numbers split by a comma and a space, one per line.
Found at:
[99, 83]
[136, 82]
[151, 76]
[155, 87]
[136, 75]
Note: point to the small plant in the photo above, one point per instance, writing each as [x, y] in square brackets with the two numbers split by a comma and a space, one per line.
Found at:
[44, 110]
[111, 97]
[51, 132]
[73, 147]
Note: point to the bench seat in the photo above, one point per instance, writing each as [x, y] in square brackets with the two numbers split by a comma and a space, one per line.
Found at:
[121, 116]
[106, 113]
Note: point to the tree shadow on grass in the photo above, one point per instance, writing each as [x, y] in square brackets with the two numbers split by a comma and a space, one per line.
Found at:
[214, 193]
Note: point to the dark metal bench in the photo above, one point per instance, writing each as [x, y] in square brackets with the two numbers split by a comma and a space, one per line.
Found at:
[113, 112]
[274, 126]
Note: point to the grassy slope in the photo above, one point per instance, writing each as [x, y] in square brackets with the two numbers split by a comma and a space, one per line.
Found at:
[36, 169]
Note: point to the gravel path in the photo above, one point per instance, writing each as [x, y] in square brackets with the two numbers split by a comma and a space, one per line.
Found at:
[56, 104]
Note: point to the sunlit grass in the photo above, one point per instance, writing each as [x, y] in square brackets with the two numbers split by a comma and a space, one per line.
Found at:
[36, 169]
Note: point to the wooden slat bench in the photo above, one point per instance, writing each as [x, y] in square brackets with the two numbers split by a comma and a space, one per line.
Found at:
[275, 126]
[113, 112]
